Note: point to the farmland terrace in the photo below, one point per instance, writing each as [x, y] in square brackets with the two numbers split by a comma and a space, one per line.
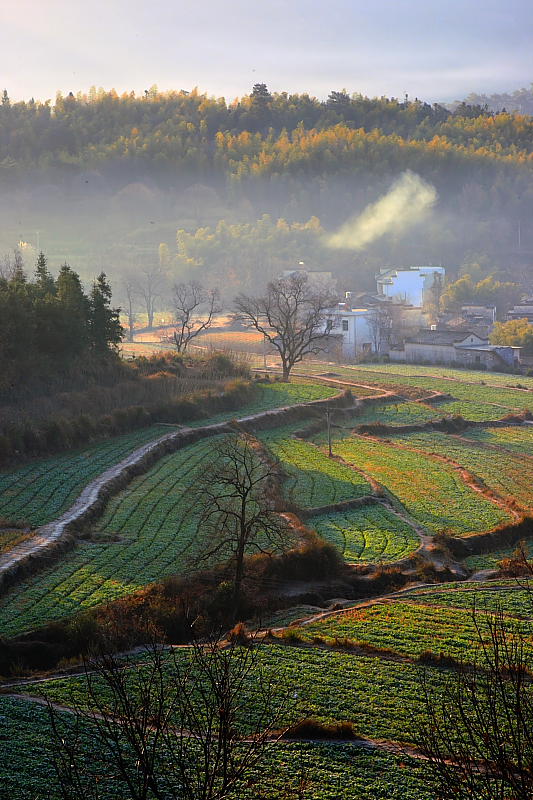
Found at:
[425, 495]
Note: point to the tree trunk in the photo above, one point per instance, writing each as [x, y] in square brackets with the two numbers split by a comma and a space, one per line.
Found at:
[237, 583]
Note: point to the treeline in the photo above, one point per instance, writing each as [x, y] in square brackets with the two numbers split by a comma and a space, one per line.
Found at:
[520, 100]
[47, 323]
[194, 132]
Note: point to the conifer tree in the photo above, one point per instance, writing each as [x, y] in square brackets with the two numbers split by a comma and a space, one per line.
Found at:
[43, 279]
[105, 330]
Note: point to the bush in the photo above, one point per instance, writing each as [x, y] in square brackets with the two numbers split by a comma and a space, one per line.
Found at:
[315, 729]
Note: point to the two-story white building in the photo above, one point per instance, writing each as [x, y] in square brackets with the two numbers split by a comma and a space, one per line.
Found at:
[412, 285]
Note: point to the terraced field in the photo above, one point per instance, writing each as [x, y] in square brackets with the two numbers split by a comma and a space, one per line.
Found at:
[515, 438]
[507, 474]
[381, 697]
[313, 479]
[276, 395]
[432, 492]
[507, 596]
[467, 395]
[406, 413]
[146, 533]
[41, 490]
[368, 534]
[330, 768]
[407, 628]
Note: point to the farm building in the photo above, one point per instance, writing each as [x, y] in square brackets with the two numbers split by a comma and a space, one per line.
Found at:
[456, 347]
[413, 285]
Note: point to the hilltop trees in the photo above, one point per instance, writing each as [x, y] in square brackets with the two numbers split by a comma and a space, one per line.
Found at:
[291, 315]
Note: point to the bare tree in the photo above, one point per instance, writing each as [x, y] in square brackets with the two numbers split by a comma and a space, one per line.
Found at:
[173, 723]
[478, 732]
[379, 324]
[236, 515]
[150, 286]
[194, 308]
[130, 292]
[292, 316]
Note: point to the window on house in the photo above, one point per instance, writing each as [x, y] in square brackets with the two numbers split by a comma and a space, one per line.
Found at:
[345, 324]
[478, 359]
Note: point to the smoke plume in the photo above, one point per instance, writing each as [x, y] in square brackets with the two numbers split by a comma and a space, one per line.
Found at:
[407, 202]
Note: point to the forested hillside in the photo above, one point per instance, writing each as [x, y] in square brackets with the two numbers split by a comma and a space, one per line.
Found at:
[119, 182]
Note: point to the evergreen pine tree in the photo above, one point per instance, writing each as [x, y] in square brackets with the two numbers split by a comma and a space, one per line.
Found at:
[76, 308]
[106, 332]
[43, 279]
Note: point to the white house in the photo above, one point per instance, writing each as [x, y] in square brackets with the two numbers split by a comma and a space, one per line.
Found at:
[412, 285]
[356, 329]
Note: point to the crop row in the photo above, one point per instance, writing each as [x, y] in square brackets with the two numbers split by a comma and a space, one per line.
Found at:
[515, 439]
[506, 596]
[431, 491]
[146, 532]
[507, 474]
[313, 479]
[331, 771]
[41, 490]
[370, 534]
[408, 628]
[382, 698]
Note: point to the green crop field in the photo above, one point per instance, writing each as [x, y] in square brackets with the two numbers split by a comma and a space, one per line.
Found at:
[406, 413]
[369, 534]
[145, 533]
[515, 438]
[332, 770]
[432, 492]
[381, 697]
[508, 596]
[148, 531]
[41, 490]
[275, 395]
[490, 559]
[313, 479]
[407, 628]
[479, 391]
[507, 474]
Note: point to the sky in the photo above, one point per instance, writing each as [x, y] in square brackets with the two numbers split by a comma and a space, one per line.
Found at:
[437, 50]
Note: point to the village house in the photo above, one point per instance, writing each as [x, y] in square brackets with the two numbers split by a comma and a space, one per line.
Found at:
[465, 348]
[415, 286]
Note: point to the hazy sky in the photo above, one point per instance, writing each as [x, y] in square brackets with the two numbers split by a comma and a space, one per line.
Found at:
[434, 49]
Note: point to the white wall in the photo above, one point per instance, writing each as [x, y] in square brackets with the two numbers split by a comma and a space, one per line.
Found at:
[410, 285]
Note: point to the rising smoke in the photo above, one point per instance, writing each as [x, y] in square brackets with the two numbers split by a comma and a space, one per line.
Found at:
[406, 203]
